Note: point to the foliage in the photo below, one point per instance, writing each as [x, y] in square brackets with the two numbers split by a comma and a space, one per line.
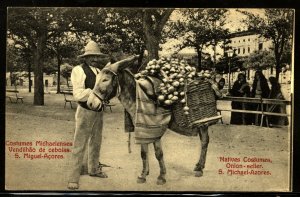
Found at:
[61, 32]
[33, 26]
[260, 60]
[199, 28]
[124, 29]
[66, 70]
[287, 55]
[46, 32]
[50, 66]
[206, 62]
[235, 63]
[125, 32]
[14, 61]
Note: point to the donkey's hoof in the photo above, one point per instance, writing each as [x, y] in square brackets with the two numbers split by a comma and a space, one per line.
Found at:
[161, 181]
[141, 179]
[198, 173]
[198, 167]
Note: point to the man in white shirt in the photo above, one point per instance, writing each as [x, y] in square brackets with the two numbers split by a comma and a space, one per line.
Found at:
[89, 123]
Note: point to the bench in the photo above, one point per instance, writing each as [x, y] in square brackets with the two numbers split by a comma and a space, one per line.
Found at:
[269, 103]
[68, 96]
[13, 95]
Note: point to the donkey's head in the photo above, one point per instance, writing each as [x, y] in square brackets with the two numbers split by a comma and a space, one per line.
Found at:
[107, 83]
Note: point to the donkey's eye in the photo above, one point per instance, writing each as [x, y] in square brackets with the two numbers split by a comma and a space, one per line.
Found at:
[104, 80]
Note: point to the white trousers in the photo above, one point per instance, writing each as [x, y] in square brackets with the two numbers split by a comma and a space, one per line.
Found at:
[88, 134]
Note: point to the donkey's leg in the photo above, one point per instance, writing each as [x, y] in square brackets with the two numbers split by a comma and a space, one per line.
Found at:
[203, 133]
[160, 157]
[144, 155]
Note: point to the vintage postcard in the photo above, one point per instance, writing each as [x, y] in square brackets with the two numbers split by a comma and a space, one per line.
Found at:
[149, 99]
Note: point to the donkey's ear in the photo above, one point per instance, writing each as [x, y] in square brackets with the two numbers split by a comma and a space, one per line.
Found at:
[122, 64]
[107, 65]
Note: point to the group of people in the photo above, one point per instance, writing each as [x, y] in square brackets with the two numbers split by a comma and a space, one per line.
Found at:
[259, 89]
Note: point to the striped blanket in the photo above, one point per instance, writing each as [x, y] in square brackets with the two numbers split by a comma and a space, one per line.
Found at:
[151, 121]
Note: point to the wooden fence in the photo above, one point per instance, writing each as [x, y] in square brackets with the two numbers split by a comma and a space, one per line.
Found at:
[266, 106]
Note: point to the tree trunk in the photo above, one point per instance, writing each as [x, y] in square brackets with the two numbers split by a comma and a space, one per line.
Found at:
[215, 53]
[67, 78]
[199, 56]
[11, 78]
[248, 74]
[271, 69]
[152, 29]
[278, 50]
[38, 69]
[277, 59]
[29, 77]
[58, 73]
[152, 46]
[278, 70]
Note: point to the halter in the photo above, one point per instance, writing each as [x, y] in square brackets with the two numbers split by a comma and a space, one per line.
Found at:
[104, 100]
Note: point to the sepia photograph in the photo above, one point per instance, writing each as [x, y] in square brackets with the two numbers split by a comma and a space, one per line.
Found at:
[149, 99]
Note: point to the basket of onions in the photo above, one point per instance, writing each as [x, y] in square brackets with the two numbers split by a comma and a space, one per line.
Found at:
[186, 92]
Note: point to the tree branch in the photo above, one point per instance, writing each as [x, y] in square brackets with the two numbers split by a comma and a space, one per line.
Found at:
[164, 19]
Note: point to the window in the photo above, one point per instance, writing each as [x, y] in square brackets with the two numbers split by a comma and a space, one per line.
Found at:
[244, 50]
[239, 51]
[248, 49]
[239, 41]
[249, 39]
[244, 40]
[260, 46]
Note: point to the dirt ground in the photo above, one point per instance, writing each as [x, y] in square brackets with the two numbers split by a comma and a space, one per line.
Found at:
[28, 123]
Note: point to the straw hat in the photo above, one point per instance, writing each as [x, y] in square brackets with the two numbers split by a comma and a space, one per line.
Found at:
[92, 48]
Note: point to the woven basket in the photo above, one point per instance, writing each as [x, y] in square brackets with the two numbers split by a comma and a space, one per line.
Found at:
[202, 106]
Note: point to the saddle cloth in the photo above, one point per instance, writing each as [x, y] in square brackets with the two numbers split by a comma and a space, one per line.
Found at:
[151, 120]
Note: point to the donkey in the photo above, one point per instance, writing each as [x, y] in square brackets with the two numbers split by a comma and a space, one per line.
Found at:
[115, 78]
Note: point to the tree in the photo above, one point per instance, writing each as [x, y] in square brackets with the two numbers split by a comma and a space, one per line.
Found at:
[199, 28]
[60, 47]
[12, 55]
[154, 21]
[16, 61]
[62, 41]
[127, 23]
[260, 60]
[50, 66]
[134, 30]
[30, 25]
[215, 25]
[287, 55]
[277, 25]
[236, 63]
[47, 32]
[26, 55]
[66, 70]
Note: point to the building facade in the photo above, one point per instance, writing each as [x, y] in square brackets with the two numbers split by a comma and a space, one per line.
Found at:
[246, 42]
